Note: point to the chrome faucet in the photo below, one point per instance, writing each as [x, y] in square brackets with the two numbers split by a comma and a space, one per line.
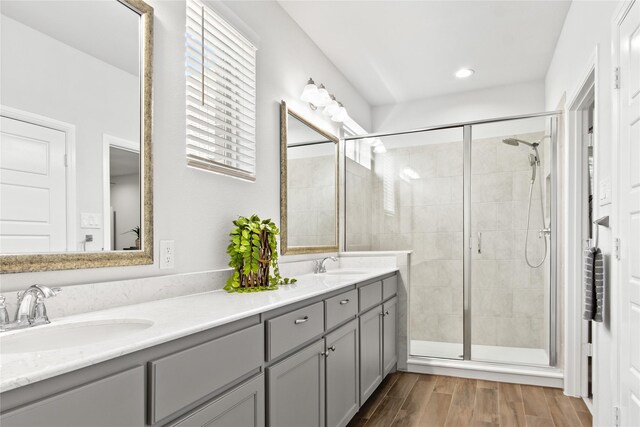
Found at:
[320, 265]
[31, 310]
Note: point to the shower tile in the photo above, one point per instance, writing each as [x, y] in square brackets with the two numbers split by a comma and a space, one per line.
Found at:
[483, 330]
[484, 274]
[433, 299]
[510, 159]
[425, 219]
[483, 216]
[521, 184]
[457, 189]
[512, 273]
[450, 328]
[424, 325]
[494, 245]
[505, 216]
[492, 302]
[521, 208]
[450, 273]
[483, 154]
[450, 159]
[492, 187]
[450, 217]
[538, 276]
[515, 332]
[437, 191]
[425, 274]
[456, 246]
[424, 160]
[528, 302]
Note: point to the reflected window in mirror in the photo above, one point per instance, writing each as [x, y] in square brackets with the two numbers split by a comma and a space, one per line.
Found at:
[76, 121]
[310, 199]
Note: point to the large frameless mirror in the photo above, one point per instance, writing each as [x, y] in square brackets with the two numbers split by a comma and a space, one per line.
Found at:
[308, 186]
[75, 140]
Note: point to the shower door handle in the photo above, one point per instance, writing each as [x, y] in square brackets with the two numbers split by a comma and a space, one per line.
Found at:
[479, 242]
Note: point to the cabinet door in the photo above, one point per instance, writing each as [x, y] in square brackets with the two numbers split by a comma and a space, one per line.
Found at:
[370, 352]
[241, 407]
[117, 400]
[343, 386]
[296, 389]
[389, 334]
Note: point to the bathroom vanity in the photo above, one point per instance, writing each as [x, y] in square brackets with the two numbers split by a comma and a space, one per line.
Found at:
[308, 354]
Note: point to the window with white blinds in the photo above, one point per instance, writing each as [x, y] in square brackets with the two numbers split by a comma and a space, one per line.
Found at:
[221, 95]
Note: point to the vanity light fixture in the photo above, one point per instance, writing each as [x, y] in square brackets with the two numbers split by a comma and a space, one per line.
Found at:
[318, 96]
[463, 73]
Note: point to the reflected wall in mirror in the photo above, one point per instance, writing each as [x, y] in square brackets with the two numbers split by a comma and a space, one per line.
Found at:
[308, 186]
[75, 137]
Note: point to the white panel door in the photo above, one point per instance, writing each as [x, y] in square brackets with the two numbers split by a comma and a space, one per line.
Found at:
[32, 188]
[629, 190]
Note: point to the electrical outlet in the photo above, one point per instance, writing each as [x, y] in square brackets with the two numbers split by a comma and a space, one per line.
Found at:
[167, 254]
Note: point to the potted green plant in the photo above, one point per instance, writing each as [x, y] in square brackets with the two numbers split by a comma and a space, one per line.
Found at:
[253, 252]
[135, 230]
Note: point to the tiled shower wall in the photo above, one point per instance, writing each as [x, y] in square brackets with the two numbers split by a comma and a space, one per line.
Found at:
[311, 201]
[426, 214]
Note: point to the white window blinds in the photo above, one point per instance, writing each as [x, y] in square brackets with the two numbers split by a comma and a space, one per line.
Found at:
[221, 95]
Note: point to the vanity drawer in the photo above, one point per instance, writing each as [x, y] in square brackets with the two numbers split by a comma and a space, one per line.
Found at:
[292, 329]
[370, 295]
[340, 308]
[389, 287]
[183, 378]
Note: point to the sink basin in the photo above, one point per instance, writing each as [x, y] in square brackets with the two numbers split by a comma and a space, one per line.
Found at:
[345, 272]
[67, 335]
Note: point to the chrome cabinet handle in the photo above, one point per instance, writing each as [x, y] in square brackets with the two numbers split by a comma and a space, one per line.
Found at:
[479, 242]
[298, 321]
[326, 353]
[344, 301]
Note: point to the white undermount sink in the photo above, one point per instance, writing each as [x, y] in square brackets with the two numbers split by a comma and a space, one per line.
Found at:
[345, 272]
[67, 335]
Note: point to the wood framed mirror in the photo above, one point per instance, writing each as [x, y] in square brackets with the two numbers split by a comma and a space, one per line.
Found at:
[308, 186]
[76, 175]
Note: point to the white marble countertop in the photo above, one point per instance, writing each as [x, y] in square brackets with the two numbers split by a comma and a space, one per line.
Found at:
[171, 319]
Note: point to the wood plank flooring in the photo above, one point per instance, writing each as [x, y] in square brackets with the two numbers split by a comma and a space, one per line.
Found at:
[407, 399]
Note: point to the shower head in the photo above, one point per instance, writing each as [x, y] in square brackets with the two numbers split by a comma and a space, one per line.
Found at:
[515, 142]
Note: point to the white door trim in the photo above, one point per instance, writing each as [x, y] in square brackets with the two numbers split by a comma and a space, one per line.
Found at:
[70, 139]
[107, 142]
[614, 222]
[574, 229]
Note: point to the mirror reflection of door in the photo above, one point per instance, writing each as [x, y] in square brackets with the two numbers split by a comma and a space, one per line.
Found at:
[122, 194]
[33, 185]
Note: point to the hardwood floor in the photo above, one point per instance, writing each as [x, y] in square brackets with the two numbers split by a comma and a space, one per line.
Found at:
[406, 399]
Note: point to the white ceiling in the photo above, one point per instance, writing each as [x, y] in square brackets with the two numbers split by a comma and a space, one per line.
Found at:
[396, 51]
[107, 30]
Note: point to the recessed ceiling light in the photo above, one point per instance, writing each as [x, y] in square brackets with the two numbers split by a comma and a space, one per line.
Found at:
[463, 73]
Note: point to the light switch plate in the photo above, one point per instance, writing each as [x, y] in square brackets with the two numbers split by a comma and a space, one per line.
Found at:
[604, 192]
[90, 220]
[167, 255]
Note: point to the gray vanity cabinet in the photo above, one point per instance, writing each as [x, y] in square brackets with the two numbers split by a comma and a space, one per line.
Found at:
[343, 374]
[296, 387]
[389, 335]
[370, 352]
[241, 407]
[117, 400]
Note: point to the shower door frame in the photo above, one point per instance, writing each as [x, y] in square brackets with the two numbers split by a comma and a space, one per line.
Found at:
[467, 128]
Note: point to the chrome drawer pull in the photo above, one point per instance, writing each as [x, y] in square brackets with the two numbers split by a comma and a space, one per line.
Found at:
[326, 353]
[298, 321]
[344, 301]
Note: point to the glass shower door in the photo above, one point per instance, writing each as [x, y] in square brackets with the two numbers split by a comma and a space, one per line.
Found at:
[405, 192]
[510, 241]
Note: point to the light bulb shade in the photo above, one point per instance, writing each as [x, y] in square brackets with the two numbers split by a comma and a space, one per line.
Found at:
[310, 92]
[323, 97]
[341, 115]
[331, 108]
